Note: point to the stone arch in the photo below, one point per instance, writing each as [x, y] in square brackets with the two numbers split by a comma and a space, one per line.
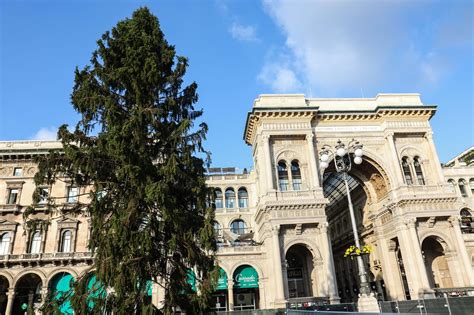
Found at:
[410, 152]
[39, 273]
[237, 217]
[28, 287]
[85, 272]
[7, 276]
[311, 246]
[254, 265]
[55, 272]
[437, 266]
[288, 155]
[440, 237]
[225, 268]
[378, 184]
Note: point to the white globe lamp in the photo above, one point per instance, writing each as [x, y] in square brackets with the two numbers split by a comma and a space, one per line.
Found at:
[323, 164]
[357, 160]
[341, 151]
[358, 152]
[324, 157]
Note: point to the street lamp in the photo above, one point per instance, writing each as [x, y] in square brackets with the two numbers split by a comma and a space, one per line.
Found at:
[343, 164]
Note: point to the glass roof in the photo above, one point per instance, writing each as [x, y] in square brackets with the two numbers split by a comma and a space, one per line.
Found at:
[334, 187]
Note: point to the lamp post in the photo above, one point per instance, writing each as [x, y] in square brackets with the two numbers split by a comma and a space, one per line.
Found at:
[343, 164]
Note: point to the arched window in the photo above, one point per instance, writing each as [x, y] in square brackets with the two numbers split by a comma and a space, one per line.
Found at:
[218, 198]
[66, 240]
[243, 198]
[418, 171]
[217, 229]
[462, 187]
[296, 175]
[452, 183]
[229, 198]
[5, 243]
[466, 221]
[238, 226]
[35, 245]
[471, 185]
[282, 176]
[407, 171]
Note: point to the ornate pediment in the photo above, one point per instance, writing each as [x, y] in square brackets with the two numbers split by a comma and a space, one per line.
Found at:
[6, 225]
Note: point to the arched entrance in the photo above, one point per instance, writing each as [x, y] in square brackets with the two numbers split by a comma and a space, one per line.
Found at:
[436, 264]
[368, 185]
[60, 289]
[3, 294]
[27, 293]
[219, 298]
[299, 270]
[245, 288]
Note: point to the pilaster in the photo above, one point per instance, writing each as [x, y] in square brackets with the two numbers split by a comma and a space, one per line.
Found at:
[461, 250]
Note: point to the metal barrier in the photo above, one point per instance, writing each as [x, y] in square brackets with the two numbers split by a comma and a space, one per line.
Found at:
[437, 306]
[441, 306]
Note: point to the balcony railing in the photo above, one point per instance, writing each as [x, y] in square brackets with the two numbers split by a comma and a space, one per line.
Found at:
[423, 191]
[44, 257]
[7, 208]
[235, 238]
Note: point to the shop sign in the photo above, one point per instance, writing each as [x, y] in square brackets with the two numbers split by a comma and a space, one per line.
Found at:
[295, 273]
[222, 281]
[246, 277]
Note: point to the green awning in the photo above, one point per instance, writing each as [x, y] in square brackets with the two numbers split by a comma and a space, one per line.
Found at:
[191, 279]
[149, 288]
[60, 289]
[96, 291]
[222, 281]
[245, 277]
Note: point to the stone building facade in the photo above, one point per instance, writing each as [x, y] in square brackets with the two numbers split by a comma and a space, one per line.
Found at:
[282, 227]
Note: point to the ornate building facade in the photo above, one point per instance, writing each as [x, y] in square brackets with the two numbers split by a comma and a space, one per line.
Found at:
[283, 227]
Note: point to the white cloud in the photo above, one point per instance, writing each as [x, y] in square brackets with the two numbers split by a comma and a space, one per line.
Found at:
[243, 32]
[49, 133]
[339, 46]
[280, 76]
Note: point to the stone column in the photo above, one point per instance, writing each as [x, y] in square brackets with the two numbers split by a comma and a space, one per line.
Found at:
[434, 154]
[277, 264]
[10, 299]
[396, 160]
[316, 276]
[329, 265]
[390, 270]
[455, 268]
[461, 249]
[408, 261]
[261, 292]
[416, 254]
[230, 294]
[284, 271]
[268, 159]
[312, 161]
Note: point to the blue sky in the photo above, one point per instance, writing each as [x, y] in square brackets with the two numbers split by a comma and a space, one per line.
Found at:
[240, 49]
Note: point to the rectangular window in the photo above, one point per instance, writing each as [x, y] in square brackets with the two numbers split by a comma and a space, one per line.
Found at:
[12, 196]
[283, 184]
[17, 171]
[243, 203]
[43, 195]
[229, 203]
[35, 245]
[296, 183]
[72, 193]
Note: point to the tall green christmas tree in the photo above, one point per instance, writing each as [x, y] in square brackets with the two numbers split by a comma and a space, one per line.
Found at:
[138, 148]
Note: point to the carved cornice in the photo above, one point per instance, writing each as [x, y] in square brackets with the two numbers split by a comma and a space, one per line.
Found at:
[426, 200]
[380, 113]
[257, 114]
